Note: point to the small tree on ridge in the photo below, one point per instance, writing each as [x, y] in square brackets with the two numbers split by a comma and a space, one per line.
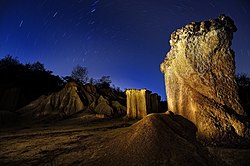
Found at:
[80, 74]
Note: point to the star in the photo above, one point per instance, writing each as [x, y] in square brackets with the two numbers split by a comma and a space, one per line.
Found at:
[21, 23]
[55, 14]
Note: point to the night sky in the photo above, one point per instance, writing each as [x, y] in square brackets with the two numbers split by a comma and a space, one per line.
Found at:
[125, 39]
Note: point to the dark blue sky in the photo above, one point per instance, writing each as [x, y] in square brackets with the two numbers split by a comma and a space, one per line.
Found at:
[126, 39]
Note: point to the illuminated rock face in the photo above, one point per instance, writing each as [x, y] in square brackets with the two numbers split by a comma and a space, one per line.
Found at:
[140, 103]
[200, 81]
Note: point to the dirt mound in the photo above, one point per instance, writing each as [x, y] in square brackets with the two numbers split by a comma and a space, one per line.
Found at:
[158, 139]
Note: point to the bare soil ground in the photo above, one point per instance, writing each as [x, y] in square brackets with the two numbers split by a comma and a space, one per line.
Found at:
[69, 142]
[88, 140]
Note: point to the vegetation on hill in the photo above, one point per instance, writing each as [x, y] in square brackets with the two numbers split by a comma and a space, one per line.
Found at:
[243, 82]
[22, 83]
[32, 80]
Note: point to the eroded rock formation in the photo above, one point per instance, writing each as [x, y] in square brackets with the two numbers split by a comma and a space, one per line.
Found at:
[73, 99]
[141, 102]
[63, 103]
[103, 107]
[200, 82]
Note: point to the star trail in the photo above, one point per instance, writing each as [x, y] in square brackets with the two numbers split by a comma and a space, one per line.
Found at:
[124, 39]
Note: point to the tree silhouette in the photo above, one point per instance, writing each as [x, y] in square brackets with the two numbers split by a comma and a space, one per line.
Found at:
[29, 80]
[92, 81]
[37, 66]
[104, 82]
[8, 61]
[80, 74]
[243, 82]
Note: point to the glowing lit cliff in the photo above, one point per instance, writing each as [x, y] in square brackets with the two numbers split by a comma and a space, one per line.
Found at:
[200, 81]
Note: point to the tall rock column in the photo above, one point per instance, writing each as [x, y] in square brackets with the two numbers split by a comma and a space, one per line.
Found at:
[137, 103]
[141, 102]
[200, 81]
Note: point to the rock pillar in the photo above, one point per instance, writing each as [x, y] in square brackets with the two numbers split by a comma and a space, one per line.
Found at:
[141, 102]
[200, 81]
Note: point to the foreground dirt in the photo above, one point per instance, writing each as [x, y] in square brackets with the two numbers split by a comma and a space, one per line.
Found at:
[62, 143]
[92, 141]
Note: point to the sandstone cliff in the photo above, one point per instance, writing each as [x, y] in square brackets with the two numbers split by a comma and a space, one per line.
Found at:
[200, 82]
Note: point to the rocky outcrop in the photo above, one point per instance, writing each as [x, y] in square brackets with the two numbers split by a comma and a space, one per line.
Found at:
[140, 103]
[73, 99]
[118, 108]
[200, 82]
[103, 107]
